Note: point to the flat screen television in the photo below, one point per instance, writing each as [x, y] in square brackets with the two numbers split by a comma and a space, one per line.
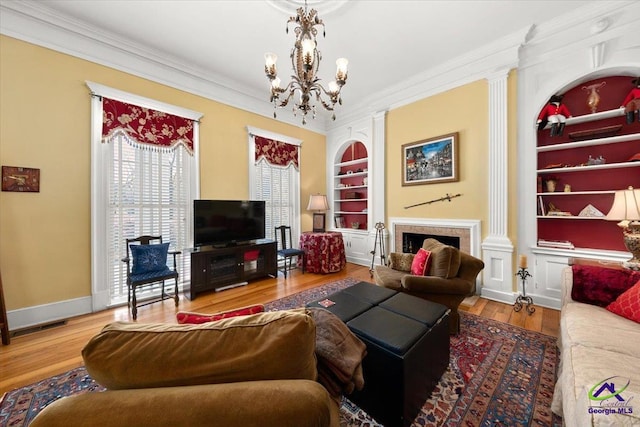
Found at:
[227, 222]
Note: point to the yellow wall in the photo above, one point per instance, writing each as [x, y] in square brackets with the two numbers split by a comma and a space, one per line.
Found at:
[45, 123]
[462, 110]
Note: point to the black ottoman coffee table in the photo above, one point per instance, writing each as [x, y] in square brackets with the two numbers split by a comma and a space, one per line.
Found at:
[407, 343]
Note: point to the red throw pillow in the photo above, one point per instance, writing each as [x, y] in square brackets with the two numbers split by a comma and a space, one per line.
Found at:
[421, 262]
[627, 305]
[196, 318]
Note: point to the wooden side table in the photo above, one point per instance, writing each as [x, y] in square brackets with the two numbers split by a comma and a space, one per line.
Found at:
[4, 323]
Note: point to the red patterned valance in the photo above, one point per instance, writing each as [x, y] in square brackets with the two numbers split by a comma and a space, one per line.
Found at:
[276, 152]
[146, 127]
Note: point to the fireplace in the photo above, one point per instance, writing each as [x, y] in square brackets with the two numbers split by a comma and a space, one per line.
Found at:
[462, 234]
[411, 242]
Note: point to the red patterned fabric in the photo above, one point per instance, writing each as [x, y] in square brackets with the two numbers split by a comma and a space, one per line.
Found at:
[421, 262]
[627, 305]
[276, 153]
[145, 126]
[196, 318]
[324, 252]
[599, 285]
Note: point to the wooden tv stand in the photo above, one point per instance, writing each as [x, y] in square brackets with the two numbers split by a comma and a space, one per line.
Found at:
[218, 268]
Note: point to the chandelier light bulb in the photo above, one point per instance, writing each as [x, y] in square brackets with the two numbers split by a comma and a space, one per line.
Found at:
[270, 59]
[341, 72]
[334, 88]
[270, 64]
[275, 83]
[308, 47]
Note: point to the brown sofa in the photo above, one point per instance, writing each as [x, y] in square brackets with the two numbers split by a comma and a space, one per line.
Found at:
[450, 279]
[235, 372]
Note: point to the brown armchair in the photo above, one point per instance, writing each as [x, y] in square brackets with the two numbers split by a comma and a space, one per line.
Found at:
[450, 279]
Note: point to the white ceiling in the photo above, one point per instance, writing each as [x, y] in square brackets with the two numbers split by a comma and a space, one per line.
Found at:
[387, 42]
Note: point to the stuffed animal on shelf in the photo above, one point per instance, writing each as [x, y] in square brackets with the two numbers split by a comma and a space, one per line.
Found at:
[556, 113]
[631, 103]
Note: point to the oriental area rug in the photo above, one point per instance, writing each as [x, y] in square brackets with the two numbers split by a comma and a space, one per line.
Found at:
[498, 375]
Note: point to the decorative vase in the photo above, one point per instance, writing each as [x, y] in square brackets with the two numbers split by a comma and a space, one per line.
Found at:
[593, 99]
[551, 185]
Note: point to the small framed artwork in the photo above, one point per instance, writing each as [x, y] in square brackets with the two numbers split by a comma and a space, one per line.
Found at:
[20, 179]
[340, 223]
[430, 161]
[318, 223]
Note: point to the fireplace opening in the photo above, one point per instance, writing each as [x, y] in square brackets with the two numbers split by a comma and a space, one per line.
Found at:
[411, 242]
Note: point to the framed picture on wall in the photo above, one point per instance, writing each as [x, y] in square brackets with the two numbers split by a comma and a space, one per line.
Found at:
[430, 161]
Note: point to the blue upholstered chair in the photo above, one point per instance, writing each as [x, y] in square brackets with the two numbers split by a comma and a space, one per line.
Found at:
[285, 249]
[147, 266]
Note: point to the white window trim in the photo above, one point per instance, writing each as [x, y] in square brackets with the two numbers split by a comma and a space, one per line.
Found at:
[253, 131]
[99, 286]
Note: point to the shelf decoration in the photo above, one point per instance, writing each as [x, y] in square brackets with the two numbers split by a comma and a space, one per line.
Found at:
[550, 183]
[558, 244]
[593, 98]
[631, 102]
[591, 211]
[556, 113]
[602, 132]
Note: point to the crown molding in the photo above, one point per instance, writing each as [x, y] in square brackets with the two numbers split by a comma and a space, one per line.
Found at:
[33, 22]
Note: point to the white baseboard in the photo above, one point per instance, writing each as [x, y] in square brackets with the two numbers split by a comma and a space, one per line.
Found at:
[510, 298]
[47, 313]
[492, 294]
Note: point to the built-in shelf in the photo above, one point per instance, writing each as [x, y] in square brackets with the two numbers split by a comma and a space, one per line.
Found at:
[603, 135]
[351, 187]
[589, 143]
[565, 217]
[576, 193]
[363, 160]
[351, 197]
[593, 117]
[351, 175]
[590, 167]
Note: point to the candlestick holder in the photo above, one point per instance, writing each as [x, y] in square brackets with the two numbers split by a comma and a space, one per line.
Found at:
[523, 299]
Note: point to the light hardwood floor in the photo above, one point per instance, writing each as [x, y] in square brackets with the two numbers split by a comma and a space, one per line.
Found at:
[51, 351]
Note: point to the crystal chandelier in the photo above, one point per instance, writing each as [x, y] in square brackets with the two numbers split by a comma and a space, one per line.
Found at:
[305, 61]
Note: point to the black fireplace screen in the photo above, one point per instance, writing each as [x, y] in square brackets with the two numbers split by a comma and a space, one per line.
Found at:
[411, 242]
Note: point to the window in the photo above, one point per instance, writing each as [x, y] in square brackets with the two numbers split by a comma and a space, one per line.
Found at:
[142, 183]
[148, 193]
[276, 180]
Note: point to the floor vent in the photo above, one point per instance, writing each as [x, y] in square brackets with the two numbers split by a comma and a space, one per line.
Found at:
[36, 328]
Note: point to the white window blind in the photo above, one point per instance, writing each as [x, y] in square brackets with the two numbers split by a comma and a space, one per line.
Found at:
[276, 185]
[148, 195]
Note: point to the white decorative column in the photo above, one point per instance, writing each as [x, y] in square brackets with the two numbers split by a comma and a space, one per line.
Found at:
[377, 175]
[497, 249]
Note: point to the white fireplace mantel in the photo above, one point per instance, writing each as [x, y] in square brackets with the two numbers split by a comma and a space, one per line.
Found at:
[470, 226]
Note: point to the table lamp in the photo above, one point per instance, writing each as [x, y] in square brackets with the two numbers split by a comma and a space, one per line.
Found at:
[318, 203]
[626, 209]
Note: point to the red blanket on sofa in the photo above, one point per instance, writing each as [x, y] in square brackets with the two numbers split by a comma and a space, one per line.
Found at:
[600, 285]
